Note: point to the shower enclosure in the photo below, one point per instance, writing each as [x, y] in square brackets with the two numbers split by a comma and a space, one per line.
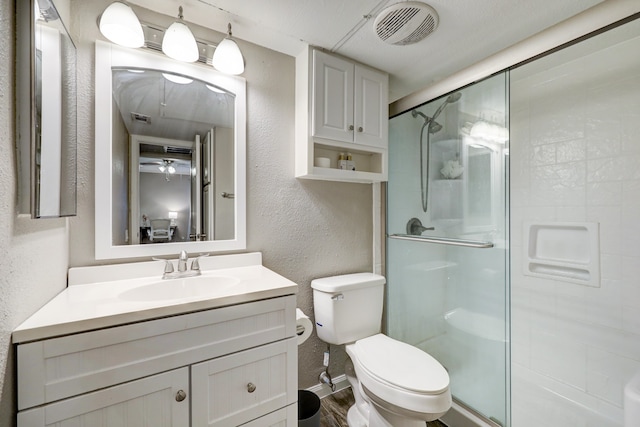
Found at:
[447, 246]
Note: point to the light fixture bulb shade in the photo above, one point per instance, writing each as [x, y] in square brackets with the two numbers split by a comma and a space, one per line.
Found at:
[227, 57]
[181, 80]
[178, 43]
[120, 25]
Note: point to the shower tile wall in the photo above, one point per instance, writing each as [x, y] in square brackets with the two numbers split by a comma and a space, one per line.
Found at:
[575, 157]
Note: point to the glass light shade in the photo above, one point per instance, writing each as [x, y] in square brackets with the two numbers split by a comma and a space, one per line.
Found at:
[177, 79]
[215, 89]
[178, 43]
[120, 25]
[227, 57]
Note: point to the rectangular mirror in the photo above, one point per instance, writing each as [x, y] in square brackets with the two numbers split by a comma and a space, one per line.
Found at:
[46, 113]
[170, 156]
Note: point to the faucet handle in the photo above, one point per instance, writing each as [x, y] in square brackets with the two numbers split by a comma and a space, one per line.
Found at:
[195, 264]
[168, 265]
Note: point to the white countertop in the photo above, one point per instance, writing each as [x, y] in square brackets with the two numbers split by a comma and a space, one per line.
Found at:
[95, 305]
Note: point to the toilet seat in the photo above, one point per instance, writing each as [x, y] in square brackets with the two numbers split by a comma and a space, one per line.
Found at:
[401, 374]
[401, 365]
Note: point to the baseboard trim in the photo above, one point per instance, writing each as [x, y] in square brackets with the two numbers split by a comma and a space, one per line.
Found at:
[323, 390]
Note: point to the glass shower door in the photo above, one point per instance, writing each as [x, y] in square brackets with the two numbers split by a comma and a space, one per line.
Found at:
[447, 245]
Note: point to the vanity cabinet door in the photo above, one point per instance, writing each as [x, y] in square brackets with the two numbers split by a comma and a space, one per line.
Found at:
[285, 417]
[232, 390]
[157, 401]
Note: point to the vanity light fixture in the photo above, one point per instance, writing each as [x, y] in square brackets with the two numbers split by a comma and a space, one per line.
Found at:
[178, 41]
[120, 25]
[227, 57]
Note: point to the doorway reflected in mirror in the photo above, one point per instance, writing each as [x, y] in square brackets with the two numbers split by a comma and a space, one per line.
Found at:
[173, 152]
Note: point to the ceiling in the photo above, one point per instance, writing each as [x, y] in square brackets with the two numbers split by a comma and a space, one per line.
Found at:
[468, 30]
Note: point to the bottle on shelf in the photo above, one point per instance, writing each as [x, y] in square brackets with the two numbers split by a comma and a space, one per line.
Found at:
[351, 165]
[342, 161]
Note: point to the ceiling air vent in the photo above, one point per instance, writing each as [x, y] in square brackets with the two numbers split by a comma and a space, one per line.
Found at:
[406, 23]
[139, 117]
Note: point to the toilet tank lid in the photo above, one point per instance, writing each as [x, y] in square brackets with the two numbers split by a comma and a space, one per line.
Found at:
[347, 282]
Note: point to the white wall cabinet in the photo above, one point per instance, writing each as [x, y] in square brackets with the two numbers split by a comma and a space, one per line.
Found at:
[341, 107]
[222, 367]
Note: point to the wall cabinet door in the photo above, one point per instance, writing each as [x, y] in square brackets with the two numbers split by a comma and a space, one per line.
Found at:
[333, 97]
[371, 107]
[350, 101]
[235, 389]
[149, 402]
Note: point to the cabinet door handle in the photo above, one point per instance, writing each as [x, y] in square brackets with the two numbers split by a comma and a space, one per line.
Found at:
[180, 396]
[360, 129]
[350, 127]
[251, 387]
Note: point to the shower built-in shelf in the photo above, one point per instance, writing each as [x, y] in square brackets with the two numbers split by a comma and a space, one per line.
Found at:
[444, 241]
[563, 251]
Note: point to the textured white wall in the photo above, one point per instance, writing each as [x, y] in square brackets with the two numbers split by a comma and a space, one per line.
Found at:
[575, 153]
[304, 229]
[34, 258]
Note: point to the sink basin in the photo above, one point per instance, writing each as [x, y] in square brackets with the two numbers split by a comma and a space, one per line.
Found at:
[174, 289]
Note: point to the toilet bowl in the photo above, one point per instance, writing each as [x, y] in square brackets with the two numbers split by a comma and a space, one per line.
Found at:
[394, 383]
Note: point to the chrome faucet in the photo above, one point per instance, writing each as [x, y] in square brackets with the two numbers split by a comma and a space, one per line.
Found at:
[182, 272]
[182, 262]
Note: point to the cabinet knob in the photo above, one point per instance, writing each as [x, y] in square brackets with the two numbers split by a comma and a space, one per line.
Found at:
[350, 127]
[180, 396]
[251, 387]
[360, 129]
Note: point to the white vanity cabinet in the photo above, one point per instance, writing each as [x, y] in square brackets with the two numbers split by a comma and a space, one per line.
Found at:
[341, 107]
[227, 366]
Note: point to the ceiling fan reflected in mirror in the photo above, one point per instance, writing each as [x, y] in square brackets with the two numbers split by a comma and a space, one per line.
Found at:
[166, 166]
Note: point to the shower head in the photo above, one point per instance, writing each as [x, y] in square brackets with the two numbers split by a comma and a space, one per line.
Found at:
[454, 97]
[416, 113]
[433, 125]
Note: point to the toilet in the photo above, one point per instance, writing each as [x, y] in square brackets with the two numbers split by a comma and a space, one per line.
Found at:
[394, 383]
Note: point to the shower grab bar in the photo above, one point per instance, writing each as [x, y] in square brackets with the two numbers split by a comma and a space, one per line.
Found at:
[443, 241]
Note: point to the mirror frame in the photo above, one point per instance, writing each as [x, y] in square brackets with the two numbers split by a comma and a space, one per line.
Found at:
[109, 55]
[29, 201]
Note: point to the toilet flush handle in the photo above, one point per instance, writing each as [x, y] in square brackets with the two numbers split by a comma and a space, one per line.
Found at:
[338, 297]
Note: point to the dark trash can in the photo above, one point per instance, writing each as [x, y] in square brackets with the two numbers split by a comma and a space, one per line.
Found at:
[308, 409]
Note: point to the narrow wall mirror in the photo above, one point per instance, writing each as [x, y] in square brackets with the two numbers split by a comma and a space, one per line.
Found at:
[46, 111]
[170, 156]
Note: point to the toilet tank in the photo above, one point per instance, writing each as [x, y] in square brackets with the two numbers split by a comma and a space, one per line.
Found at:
[348, 307]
